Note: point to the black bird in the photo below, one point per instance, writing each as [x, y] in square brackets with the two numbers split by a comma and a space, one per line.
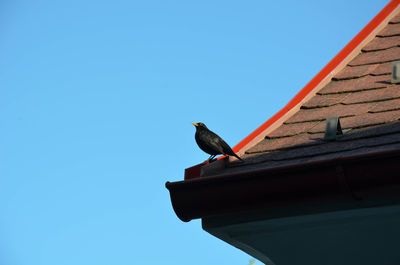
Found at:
[211, 143]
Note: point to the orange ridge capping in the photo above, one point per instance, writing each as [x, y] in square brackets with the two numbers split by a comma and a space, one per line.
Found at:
[194, 171]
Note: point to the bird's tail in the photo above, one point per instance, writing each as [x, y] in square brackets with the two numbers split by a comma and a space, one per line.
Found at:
[235, 155]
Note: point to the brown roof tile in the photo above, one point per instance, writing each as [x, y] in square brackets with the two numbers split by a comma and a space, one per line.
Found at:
[358, 84]
[319, 101]
[292, 129]
[361, 121]
[337, 146]
[387, 105]
[370, 119]
[390, 30]
[320, 114]
[390, 92]
[319, 128]
[375, 136]
[382, 69]
[355, 71]
[382, 43]
[383, 56]
[307, 139]
[262, 161]
[396, 19]
[268, 145]
[393, 127]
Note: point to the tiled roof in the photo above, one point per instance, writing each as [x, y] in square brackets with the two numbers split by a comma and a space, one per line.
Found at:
[361, 95]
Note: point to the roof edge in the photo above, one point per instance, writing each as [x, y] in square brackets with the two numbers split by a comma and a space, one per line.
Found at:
[353, 177]
[323, 77]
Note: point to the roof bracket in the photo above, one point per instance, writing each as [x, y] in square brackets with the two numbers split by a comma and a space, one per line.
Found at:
[395, 72]
[333, 129]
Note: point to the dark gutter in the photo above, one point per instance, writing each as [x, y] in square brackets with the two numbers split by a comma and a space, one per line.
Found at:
[271, 188]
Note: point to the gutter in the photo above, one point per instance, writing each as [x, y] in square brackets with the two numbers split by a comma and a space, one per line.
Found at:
[356, 181]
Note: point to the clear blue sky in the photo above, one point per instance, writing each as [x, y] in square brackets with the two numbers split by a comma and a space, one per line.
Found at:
[96, 104]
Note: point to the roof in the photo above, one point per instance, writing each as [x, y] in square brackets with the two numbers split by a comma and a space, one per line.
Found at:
[355, 86]
[360, 93]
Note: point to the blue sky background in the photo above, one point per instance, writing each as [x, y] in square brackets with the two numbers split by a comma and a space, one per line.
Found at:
[96, 104]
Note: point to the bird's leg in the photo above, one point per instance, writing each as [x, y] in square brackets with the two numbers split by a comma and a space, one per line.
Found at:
[210, 158]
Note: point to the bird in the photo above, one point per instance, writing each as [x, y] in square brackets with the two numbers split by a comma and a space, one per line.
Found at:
[211, 143]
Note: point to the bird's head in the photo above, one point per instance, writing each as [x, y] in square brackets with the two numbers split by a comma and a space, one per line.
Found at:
[199, 125]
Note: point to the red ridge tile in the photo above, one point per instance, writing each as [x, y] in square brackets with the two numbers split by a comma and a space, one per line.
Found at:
[382, 56]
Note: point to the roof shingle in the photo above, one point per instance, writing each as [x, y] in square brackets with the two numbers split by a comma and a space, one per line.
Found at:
[381, 56]
[386, 105]
[390, 30]
[382, 44]
[356, 84]
[320, 114]
[382, 69]
[354, 72]
[396, 19]
[367, 96]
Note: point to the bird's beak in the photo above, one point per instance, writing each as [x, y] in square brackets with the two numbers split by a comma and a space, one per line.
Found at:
[195, 124]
